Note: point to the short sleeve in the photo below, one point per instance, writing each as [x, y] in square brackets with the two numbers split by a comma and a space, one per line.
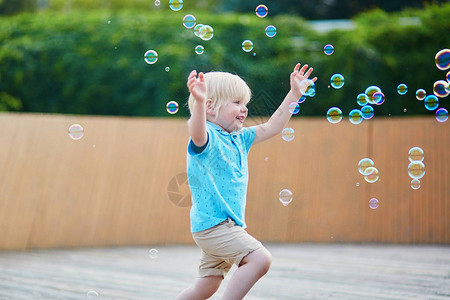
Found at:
[195, 150]
[249, 136]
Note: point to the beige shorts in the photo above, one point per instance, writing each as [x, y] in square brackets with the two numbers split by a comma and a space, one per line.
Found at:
[222, 246]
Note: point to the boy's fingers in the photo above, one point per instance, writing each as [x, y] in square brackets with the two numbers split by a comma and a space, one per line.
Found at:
[297, 66]
[303, 69]
[314, 79]
[201, 76]
[309, 72]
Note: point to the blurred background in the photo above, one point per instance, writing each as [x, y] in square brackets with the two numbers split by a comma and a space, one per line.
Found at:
[87, 57]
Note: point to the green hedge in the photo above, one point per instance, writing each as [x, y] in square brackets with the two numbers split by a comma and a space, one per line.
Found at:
[91, 62]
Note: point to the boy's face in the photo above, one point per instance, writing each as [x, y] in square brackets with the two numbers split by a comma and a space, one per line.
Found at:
[231, 116]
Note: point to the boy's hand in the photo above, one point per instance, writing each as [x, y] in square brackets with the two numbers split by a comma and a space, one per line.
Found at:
[299, 82]
[197, 86]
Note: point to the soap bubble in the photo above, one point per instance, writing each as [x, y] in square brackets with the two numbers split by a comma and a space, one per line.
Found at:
[370, 91]
[288, 134]
[176, 5]
[206, 32]
[367, 112]
[153, 253]
[285, 197]
[76, 131]
[431, 102]
[441, 115]
[334, 115]
[328, 49]
[362, 99]
[415, 184]
[355, 116]
[199, 49]
[337, 81]
[172, 107]
[415, 154]
[92, 294]
[311, 89]
[150, 57]
[189, 21]
[373, 203]
[421, 94]
[261, 11]
[364, 164]
[441, 88]
[198, 29]
[402, 89]
[378, 98]
[302, 99]
[371, 175]
[247, 45]
[294, 108]
[442, 59]
[271, 31]
[416, 169]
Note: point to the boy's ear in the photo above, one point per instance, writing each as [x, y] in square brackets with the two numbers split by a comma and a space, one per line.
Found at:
[209, 108]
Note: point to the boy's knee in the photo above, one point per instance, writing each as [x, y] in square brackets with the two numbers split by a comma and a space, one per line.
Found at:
[266, 261]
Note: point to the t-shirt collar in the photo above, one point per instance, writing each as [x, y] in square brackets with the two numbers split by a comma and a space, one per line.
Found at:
[220, 130]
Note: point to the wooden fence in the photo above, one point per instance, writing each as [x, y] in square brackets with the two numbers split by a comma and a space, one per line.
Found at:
[123, 183]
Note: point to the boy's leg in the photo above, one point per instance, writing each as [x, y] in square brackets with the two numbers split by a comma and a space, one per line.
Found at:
[252, 267]
[203, 288]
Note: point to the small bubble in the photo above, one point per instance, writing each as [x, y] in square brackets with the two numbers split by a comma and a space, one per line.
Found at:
[288, 134]
[415, 184]
[371, 175]
[176, 5]
[92, 294]
[150, 57]
[261, 11]
[373, 203]
[76, 131]
[153, 253]
[247, 45]
[285, 197]
[172, 107]
[328, 49]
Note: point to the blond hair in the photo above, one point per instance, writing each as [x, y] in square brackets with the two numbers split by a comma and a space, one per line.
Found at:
[223, 87]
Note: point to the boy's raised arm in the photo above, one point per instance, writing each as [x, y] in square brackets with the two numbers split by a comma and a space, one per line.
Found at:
[197, 122]
[281, 116]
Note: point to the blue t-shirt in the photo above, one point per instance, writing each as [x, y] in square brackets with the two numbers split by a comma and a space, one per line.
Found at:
[218, 177]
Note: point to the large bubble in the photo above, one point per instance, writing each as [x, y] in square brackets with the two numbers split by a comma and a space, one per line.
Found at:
[441, 115]
[334, 115]
[416, 169]
[442, 59]
[431, 102]
[355, 116]
[337, 81]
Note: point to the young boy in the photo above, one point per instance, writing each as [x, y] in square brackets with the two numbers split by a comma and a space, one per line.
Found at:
[218, 175]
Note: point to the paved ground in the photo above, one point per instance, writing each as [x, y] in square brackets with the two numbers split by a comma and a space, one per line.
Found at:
[299, 271]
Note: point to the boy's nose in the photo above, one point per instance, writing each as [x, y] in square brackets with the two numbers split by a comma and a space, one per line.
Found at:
[244, 109]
